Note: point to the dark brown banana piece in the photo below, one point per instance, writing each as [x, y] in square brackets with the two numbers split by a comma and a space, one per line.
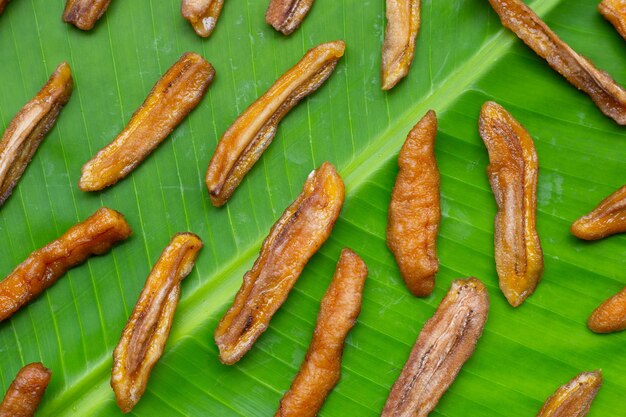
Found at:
[574, 398]
[202, 14]
[172, 98]
[321, 368]
[94, 236]
[513, 170]
[25, 393]
[287, 15]
[403, 25]
[609, 96]
[148, 327]
[414, 210]
[84, 13]
[446, 342]
[607, 219]
[3, 4]
[29, 127]
[247, 138]
[295, 237]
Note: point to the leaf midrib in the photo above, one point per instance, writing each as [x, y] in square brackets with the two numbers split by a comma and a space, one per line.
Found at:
[90, 390]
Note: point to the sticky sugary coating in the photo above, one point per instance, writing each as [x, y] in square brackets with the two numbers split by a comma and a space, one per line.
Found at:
[26, 391]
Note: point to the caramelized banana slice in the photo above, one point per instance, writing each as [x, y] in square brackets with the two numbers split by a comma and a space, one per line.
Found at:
[148, 327]
[321, 368]
[202, 14]
[295, 237]
[574, 398]
[26, 391]
[605, 220]
[84, 13]
[512, 171]
[578, 70]
[169, 102]
[615, 12]
[446, 342]
[610, 316]
[42, 268]
[403, 25]
[247, 138]
[414, 211]
[29, 127]
[287, 15]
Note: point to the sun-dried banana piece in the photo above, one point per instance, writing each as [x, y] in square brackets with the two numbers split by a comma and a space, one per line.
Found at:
[295, 237]
[42, 268]
[321, 368]
[247, 138]
[609, 96]
[202, 14]
[84, 13]
[25, 393]
[403, 25]
[148, 327]
[574, 398]
[287, 15]
[446, 342]
[171, 99]
[414, 211]
[607, 219]
[615, 12]
[29, 127]
[513, 170]
[610, 316]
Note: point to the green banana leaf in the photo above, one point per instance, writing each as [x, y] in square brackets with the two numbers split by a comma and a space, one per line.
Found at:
[463, 58]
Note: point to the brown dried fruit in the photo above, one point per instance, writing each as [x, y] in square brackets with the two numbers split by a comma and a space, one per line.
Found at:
[574, 398]
[42, 268]
[202, 14]
[321, 368]
[295, 237]
[610, 316]
[607, 219]
[84, 13]
[3, 4]
[578, 70]
[26, 391]
[247, 138]
[168, 103]
[29, 127]
[287, 15]
[403, 25]
[446, 342]
[512, 172]
[615, 12]
[414, 211]
[148, 327]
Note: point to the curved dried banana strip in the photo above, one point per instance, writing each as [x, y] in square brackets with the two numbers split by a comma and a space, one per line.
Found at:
[247, 138]
[26, 391]
[607, 219]
[615, 12]
[287, 15]
[202, 14]
[609, 96]
[321, 368]
[446, 342]
[414, 211]
[177, 93]
[295, 237]
[84, 13]
[403, 25]
[610, 316]
[512, 171]
[574, 398]
[148, 327]
[29, 127]
[94, 236]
